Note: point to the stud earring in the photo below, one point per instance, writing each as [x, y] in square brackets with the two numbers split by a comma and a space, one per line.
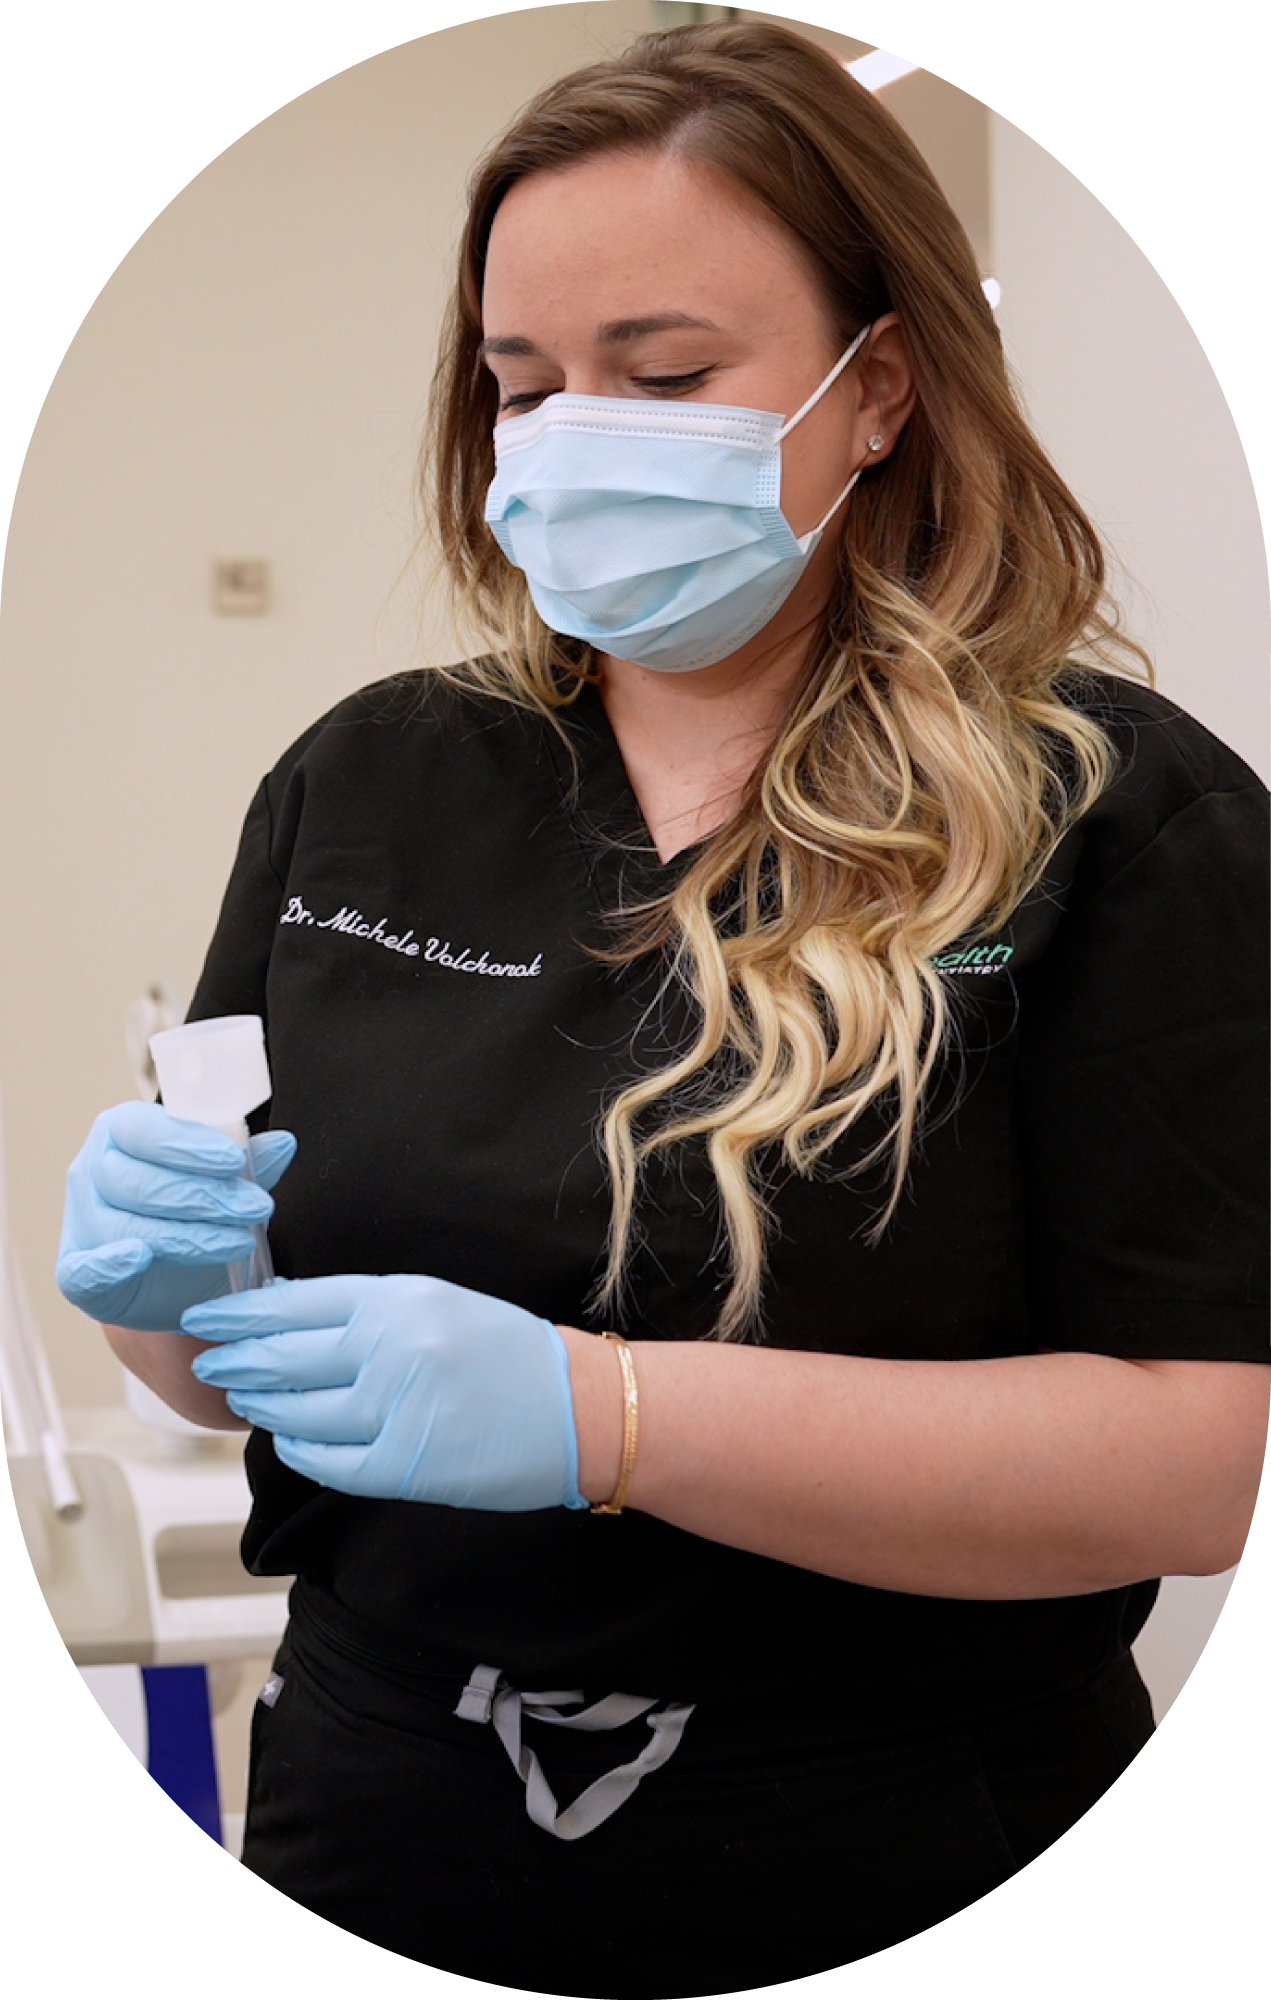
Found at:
[877, 442]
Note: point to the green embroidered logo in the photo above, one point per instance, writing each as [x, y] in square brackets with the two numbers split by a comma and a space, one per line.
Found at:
[975, 958]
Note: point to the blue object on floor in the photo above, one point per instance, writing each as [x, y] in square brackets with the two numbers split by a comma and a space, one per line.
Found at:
[182, 1757]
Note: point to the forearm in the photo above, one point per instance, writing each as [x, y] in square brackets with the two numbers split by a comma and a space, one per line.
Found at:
[1037, 1476]
[162, 1362]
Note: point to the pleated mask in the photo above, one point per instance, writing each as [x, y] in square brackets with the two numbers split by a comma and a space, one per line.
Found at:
[653, 532]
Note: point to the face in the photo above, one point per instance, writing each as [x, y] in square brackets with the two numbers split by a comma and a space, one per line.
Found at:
[645, 275]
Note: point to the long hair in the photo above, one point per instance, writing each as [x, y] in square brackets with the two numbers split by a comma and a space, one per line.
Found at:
[927, 761]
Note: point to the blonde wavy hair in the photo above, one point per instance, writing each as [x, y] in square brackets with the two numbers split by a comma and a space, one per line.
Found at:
[928, 761]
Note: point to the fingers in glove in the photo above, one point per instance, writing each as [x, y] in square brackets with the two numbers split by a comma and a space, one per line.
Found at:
[149, 1132]
[343, 1467]
[319, 1358]
[88, 1277]
[303, 1305]
[111, 1284]
[138, 1188]
[316, 1416]
[272, 1153]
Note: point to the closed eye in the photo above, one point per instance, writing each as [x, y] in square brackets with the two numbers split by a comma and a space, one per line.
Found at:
[668, 385]
[658, 385]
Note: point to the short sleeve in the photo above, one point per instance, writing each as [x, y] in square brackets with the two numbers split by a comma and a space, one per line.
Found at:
[235, 971]
[1143, 1094]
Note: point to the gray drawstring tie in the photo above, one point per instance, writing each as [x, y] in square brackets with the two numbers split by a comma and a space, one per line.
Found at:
[488, 1698]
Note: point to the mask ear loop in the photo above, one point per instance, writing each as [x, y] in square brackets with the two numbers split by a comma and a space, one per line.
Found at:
[811, 404]
[828, 383]
[825, 520]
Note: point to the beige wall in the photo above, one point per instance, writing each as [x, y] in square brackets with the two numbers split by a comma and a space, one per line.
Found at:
[1122, 396]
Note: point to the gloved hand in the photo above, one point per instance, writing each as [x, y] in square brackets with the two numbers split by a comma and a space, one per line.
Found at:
[156, 1208]
[400, 1388]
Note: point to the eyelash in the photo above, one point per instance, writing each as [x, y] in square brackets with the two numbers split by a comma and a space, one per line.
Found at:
[667, 383]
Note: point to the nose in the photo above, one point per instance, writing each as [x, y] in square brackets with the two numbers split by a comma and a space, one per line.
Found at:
[588, 378]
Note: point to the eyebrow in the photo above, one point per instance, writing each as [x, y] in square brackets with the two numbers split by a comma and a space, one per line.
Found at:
[614, 332]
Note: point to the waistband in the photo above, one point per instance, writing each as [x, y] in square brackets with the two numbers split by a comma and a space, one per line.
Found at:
[415, 1687]
[605, 1749]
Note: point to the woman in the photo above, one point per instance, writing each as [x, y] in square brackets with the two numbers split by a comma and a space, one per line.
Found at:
[769, 948]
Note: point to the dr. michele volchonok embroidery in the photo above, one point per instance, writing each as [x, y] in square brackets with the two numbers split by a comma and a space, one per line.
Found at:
[352, 923]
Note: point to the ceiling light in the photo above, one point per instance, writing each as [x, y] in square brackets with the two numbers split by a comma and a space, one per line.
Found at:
[878, 69]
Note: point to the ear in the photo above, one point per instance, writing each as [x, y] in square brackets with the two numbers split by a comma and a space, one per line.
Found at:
[888, 391]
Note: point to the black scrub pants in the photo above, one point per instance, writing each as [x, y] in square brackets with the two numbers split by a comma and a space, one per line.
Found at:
[773, 1845]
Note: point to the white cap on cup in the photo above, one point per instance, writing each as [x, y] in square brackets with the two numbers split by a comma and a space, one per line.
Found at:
[213, 1072]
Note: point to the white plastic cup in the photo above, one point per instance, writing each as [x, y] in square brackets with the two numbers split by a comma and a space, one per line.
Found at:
[214, 1072]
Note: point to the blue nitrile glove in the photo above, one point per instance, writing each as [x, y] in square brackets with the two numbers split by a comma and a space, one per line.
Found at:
[156, 1208]
[400, 1388]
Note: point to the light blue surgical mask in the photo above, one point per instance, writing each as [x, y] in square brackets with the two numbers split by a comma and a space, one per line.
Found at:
[653, 532]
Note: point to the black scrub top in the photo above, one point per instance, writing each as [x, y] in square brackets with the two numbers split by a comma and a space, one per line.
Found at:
[417, 888]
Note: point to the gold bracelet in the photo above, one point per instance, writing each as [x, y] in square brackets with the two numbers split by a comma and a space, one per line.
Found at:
[630, 1426]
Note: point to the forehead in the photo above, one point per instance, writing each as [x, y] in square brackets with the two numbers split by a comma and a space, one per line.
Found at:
[614, 235]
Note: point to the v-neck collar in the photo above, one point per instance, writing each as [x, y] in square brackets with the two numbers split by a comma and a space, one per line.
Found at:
[607, 813]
